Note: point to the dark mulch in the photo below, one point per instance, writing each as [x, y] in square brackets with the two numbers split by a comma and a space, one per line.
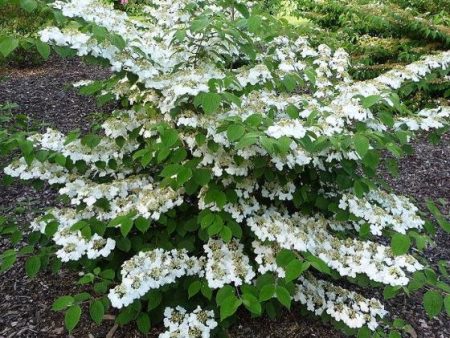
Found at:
[45, 95]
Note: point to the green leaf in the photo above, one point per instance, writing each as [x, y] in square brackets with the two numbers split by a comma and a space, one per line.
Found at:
[283, 296]
[417, 281]
[361, 144]
[254, 23]
[226, 234]
[206, 291]
[229, 306]
[369, 101]
[128, 314]
[7, 45]
[169, 137]
[194, 288]
[62, 302]
[294, 269]
[201, 176]
[180, 35]
[399, 323]
[432, 302]
[267, 292]
[292, 111]
[216, 196]
[143, 323]
[71, 136]
[319, 264]
[91, 140]
[125, 226]
[183, 175]
[210, 102]
[26, 147]
[51, 228]
[242, 9]
[86, 279]
[235, 132]
[96, 311]
[142, 224]
[43, 49]
[199, 24]
[32, 266]
[290, 82]
[394, 150]
[364, 332]
[283, 144]
[224, 293]
[311, 75]
[447, 304]
[125, 222]
[400, 244]
[72, 317]
[215, 228]
[390, 291]
[118, 41]
[284, 257]
[7, 259]
[395, 334]
[108, 274]
[251, 303]
[154, 299]
[91, 88]
[438, 215]
[28, 5]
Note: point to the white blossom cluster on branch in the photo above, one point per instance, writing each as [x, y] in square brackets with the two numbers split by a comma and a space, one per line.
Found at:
[227, 264]
[151, 270]
[383, 210]
[349, 257]
[73, 244]
[353, 309]
[180, 323]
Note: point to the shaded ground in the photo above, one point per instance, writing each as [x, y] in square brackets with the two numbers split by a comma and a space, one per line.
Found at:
[44, 94]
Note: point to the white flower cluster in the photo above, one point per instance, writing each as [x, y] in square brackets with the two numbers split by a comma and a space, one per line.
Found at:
[151, 270]
[289, 128]
[243, 208]
[74, 245]
[45, 171]
[348, 256]
[266, 258]
[346, 107]
[274, 191]
[122, 123]
[321, 296]
[351, 308]
[105, 151]
[90, 192]
[148, 201]
[425, 119]
[152, 202]
[180, 323]
[383, 210]
[226, 263]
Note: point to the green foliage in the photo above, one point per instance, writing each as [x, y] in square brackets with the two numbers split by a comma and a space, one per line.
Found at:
[20, 21]
[379, 36]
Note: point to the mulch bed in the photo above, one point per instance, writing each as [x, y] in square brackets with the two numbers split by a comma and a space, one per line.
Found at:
[44, 94]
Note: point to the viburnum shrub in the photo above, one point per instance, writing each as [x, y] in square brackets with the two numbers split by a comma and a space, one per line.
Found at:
[240, 173]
